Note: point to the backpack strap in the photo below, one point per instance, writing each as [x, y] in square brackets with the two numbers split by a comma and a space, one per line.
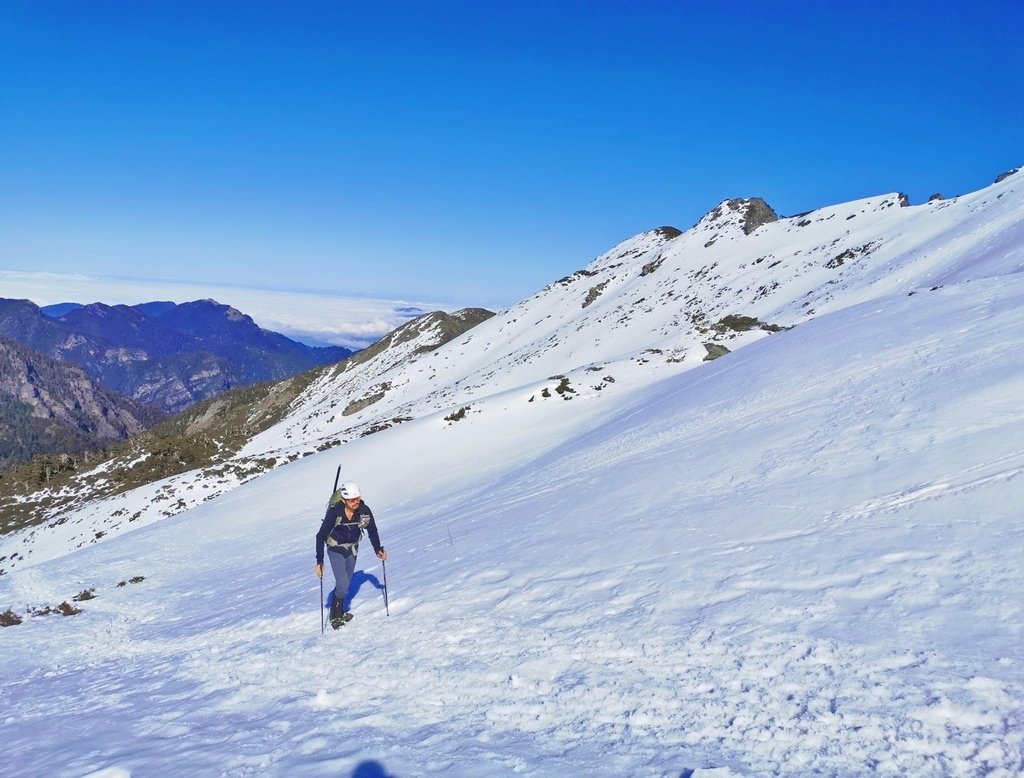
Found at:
[362, 521]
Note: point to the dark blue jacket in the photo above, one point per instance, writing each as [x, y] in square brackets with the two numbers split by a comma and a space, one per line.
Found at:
[337, 529]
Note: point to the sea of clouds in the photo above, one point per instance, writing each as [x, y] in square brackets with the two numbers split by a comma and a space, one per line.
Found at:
[324, 318]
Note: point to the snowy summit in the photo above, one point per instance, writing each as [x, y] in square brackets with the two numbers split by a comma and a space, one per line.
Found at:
[739, 500]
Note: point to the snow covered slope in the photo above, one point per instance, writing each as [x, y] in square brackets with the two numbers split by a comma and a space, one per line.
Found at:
[656, 300]
[802, 558]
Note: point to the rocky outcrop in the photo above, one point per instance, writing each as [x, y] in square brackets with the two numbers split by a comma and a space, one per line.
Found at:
[594, 292]
[430, 331]
[746, 213]
[1004, 176]
[715, 351]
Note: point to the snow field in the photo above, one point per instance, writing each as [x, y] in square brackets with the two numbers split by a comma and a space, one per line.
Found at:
[800, 559]
[737, 570]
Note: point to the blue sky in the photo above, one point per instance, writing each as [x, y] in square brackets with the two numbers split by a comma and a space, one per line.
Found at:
[471, 151]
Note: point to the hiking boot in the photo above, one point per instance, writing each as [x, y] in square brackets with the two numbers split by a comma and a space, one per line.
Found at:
[337, 615]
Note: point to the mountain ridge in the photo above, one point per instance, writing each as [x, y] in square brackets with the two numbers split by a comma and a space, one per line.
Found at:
[163, 354]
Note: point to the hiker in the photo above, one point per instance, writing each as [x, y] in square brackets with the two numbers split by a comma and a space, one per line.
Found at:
[347, 516]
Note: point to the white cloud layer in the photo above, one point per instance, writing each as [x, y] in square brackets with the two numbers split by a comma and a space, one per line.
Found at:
[353, 322]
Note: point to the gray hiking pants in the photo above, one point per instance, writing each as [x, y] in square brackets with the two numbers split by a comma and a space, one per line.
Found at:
[343, 565]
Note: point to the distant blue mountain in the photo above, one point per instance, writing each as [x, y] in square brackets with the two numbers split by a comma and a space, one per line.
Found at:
[155, 309]
[410, 311]
[162, 353]
[59, 309]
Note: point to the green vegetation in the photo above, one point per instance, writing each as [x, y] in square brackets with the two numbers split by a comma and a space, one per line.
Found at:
[458, 415]
[9, 618]
[737, 323]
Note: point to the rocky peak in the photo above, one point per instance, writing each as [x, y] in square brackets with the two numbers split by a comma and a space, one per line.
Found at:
[1006, 175]
[23, 320]
[98, 311]
[430, 331]
[747, 213]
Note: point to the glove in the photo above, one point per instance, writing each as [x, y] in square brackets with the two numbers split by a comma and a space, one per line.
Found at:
[319, 570]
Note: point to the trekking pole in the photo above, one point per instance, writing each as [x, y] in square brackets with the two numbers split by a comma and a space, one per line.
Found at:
[388, 612]
[323, 620]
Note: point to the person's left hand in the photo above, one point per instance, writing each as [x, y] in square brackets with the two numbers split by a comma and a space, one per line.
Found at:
[382, 555]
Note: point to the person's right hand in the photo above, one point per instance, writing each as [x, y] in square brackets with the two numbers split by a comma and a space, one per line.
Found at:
[319, 570]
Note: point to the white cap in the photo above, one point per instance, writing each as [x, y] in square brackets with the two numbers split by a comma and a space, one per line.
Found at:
[348, 490]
